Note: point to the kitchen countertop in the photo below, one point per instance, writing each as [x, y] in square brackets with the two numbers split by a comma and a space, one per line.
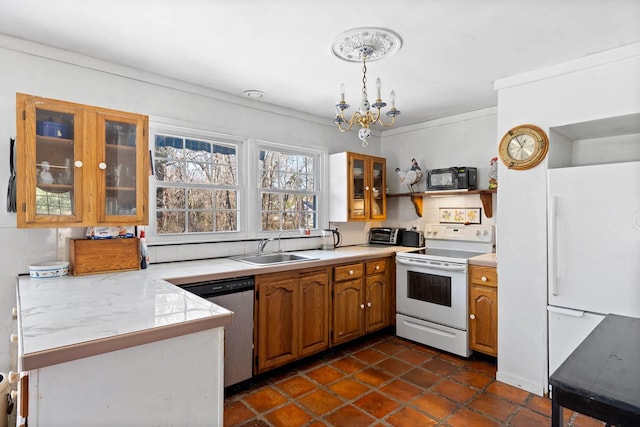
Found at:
[487, 260]
[72, 317]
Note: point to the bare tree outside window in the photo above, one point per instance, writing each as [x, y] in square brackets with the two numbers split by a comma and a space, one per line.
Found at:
[288, 193]
[197, 185]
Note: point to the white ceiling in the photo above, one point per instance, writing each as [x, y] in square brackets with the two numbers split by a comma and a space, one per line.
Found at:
[453, 50]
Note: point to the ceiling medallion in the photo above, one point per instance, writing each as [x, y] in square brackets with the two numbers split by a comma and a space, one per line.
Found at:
[365, 44]
[372, 43]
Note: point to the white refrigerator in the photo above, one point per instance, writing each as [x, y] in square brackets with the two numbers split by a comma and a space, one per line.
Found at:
[594, 250]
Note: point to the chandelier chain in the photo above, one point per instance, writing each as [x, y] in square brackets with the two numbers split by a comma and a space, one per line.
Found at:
[364, 76]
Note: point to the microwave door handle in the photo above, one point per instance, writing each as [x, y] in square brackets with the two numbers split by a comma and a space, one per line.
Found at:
[427, 264]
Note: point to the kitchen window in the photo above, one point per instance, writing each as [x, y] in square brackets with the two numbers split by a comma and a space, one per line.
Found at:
[287, 188]
[197, 185]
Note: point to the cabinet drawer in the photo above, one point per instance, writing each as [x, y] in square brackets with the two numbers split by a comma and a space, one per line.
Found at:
[347, 272]
[376, 267]
[485, 276]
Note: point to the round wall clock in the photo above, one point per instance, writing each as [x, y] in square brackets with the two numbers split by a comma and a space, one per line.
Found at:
[523, 147]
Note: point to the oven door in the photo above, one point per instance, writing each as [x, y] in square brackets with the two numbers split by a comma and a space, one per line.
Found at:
[431, 290]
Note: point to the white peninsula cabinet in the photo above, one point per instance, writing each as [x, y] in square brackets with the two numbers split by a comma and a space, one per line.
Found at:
[118, 350]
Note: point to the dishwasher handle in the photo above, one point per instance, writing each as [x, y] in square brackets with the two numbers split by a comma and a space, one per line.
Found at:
[214, 288]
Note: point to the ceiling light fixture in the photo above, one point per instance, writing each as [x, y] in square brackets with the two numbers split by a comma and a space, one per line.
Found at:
[253, 93]
[365, 44]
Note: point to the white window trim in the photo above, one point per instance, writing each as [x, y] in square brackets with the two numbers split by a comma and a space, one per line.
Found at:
[243, 166]
[322, 154]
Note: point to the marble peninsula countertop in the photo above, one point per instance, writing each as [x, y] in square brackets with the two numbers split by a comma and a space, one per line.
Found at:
[72, 317]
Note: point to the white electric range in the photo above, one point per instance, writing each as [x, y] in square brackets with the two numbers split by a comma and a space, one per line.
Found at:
[432, 286]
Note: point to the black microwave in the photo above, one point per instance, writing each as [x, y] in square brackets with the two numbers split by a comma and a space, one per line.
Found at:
[453, 178]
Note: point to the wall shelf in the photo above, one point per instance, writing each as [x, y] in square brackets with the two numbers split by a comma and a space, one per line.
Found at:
[486, 197]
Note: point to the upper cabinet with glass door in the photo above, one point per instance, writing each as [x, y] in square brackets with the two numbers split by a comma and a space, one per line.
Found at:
[357, 187]
[79, 165]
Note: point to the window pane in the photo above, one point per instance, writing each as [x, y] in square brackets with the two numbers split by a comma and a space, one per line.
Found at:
[200, 199]
[195, 201]
[198, 173]
[225, 175]
[169, 222]
[169, 170]
[226, 221]
[168, 146]
[170, 198]
[226, 199]
[270, 221]
[271, 201]
[200, 222]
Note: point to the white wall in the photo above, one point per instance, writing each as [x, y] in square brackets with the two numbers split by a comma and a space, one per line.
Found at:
[599, 86]
[42, 71]
[462, 140]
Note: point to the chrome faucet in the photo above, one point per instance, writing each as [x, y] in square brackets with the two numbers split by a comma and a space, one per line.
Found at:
[280, 238]
[262, 243]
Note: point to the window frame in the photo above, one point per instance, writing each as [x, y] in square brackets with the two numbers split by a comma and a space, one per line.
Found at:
[321, 181]
[210, 137]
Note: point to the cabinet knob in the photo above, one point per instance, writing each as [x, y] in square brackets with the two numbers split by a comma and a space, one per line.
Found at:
[14, 395]
[366, 188]
[361, 306]
[13, 338]
[351, 272]
[484, 278]
[368, 304]
[14, 313]
[472, 316]
[13, 377]
[377, 267]
[102, 165]
[78, 163]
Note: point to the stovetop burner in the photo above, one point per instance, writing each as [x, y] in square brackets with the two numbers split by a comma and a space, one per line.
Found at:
[455, 243]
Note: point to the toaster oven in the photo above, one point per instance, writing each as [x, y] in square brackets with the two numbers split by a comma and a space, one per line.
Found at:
[385, 235]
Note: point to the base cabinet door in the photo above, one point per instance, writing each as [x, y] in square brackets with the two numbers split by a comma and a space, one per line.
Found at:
[314, 312]
[347, 310]
[361, 298]
[375, 313]
[292, 317]
[483, 310]
[278, 319]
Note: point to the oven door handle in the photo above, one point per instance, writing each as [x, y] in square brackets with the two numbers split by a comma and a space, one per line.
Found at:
[429, 264]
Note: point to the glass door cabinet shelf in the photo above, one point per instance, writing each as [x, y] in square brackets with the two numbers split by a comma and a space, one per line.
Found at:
[357, 187]
[79, 165]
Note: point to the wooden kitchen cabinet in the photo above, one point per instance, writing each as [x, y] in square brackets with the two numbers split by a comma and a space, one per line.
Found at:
[361, 298]
[78, 165]
[357, 186]
[292, 316]
[483, 309]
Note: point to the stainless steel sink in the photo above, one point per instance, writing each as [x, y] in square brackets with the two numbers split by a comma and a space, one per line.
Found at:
[276, 258]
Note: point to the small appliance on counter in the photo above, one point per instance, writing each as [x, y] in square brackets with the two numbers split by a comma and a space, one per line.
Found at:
[412, 238]
[453, 178]
[385, 236]
[331, 239]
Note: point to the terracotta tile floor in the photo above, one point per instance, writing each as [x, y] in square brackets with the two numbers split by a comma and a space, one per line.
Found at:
[389, 381]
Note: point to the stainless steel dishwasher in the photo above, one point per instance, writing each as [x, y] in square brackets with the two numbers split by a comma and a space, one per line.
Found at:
[236, 295]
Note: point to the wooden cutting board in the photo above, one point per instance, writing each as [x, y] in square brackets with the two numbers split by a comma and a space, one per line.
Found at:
[88, 256]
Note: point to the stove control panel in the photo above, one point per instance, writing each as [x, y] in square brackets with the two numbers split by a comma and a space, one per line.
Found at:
[460, 232]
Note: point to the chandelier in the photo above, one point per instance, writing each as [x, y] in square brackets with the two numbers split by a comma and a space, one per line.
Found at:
[362, 45]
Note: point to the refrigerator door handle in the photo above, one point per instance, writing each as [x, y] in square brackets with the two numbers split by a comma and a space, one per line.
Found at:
[553, 245]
